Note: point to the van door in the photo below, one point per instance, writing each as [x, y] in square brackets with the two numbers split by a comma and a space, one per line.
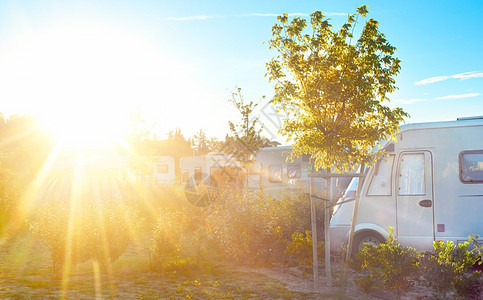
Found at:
[414, 204]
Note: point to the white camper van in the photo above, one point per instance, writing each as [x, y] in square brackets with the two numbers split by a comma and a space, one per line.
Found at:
[202, 176]
[213, 166]
[428, 188]
[164, 171]
[157, 170]
[275, 173]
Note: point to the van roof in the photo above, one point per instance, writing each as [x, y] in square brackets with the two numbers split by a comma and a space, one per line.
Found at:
[278, 148]
[460, 122]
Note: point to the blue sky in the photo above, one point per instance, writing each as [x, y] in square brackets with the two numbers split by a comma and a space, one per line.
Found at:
[178, 61]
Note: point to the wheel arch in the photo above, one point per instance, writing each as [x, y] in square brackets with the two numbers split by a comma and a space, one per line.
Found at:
[366, 228]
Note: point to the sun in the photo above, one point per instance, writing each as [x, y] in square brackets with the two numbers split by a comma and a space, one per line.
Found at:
[87, 127]
[85, 80]
[85, 76]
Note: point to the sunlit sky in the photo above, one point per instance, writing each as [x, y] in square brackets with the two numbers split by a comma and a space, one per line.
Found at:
[178, 62]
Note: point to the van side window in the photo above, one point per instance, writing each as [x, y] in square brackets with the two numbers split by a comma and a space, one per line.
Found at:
[275, 173]
[293, 171]
[381, 180]
[411, 175]
[471, 166]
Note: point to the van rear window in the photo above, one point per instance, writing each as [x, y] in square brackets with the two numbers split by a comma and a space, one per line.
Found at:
[471, 166]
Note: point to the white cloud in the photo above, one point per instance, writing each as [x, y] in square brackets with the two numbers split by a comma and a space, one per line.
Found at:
[431, 80]
[193, 18]
[460, 76]
[468, 75]
[460, 96]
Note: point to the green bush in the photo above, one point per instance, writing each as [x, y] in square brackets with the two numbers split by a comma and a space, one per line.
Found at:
[179, 239]
[90, 229]
[9, 197]
[255, 228]
[301, 249]
[470, 286]
[387, 265]
[82, 215]
[450, 267]
[150, 200]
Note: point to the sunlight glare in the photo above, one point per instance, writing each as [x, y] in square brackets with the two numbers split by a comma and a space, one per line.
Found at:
[85, 79]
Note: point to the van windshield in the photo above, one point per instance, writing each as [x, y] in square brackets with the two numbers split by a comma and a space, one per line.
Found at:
[350, 192]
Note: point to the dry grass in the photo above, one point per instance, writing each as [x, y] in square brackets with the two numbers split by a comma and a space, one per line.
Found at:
[26, 273]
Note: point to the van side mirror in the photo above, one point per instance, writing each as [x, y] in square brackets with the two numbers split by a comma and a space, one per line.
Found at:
[389, 147]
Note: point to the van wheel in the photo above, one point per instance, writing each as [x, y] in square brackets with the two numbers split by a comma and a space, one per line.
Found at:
[371, 238]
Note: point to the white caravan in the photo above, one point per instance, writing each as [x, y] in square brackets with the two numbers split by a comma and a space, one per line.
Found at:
[429, 188]
[274, 172]
[213, 169]
[164, 171]
[157, 170]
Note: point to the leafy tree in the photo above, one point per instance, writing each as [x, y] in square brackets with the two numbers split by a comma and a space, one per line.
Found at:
[245, 139]
[201, 143]
[333, 89]
[214, 144]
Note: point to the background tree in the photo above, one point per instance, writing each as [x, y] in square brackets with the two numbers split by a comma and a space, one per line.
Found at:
[214, 144]
[244, 139]
[201, 143]
[333, 89]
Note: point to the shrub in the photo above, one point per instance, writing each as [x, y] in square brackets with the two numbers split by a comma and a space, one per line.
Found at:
[450, 268]
[470, 286]
[150, 199]
[75, 233]
[387, 265]
[83, 216]
[179, 239]
[301, 248]
[9, 197]
[254, 228]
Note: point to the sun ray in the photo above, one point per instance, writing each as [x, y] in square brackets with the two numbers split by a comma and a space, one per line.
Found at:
[72, 223]
[97, 279]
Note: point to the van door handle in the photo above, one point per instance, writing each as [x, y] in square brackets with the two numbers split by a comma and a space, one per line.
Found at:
[426, 203]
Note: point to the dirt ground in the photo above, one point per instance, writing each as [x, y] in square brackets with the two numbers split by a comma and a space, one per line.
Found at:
[294, 280]
[25, 273]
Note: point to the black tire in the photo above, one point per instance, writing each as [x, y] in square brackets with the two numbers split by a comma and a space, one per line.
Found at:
[367, 237]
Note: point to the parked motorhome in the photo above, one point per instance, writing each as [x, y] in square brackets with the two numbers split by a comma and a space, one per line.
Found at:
[159, 170]
[275, 173]
[164, 171]
[428, 188]
[215, 168]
